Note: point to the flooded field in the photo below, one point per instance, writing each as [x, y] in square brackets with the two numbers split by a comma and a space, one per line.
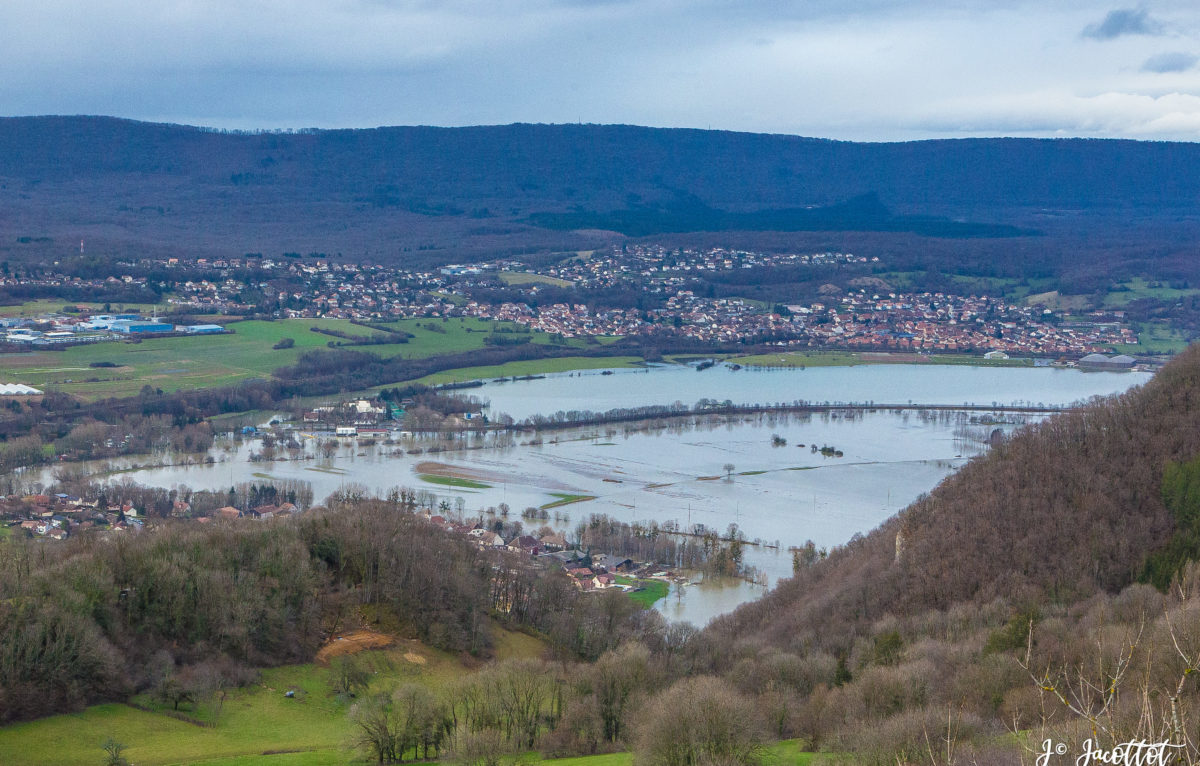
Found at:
[768, 474]
[883, 383]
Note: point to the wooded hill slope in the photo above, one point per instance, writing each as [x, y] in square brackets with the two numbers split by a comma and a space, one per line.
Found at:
[437, 193]
[101, 617]
[608, 166]
[1047, 591]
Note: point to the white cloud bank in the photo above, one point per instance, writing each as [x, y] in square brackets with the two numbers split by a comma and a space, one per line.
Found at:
[884, 69]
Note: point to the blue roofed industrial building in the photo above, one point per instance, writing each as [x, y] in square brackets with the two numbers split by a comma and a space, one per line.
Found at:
[136, 327]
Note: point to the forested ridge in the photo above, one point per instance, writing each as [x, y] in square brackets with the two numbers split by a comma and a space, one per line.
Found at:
[434, 170]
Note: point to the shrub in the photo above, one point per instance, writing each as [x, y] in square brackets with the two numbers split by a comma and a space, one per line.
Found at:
[699, 720]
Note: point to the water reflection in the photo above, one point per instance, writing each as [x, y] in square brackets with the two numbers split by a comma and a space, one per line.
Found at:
[700, 601]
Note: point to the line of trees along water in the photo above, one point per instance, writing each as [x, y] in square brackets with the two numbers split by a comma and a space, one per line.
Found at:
[563, 419]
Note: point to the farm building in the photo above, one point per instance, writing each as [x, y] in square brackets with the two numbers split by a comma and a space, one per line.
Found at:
[23, 335]
[1102, 362]
[106, 321]
[17, 389]
[203, 329]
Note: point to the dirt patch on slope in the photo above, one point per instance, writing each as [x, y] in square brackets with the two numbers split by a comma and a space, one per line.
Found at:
[353, 643]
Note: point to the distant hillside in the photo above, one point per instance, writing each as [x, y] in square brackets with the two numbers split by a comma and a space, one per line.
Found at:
[439, 192]
[607, 167]
[1065, 509]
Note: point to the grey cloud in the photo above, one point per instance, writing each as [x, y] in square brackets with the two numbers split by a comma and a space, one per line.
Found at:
[872, 69]
[1170, 62]
[1123, 21]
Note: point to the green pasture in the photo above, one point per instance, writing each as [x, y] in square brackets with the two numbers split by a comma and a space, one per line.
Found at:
[203, 361]
[532, 367]
[55, 306]
[1138, 288]
[527, 278]
[453, 481]
[654, 590]
[1155, 338]
[799, 359]
[257, 725]
[566, 499]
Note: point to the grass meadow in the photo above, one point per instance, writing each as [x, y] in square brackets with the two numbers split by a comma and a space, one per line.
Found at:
[204, 361]
[257, 724]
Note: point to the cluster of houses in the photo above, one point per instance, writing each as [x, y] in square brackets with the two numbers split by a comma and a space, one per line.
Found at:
[356, 412]
[871, 318]
[56, 517]
[318, 289]
[380, 419]
[947, 322]
[706, 319]
[895, 321]
[651, 263]
[262, 512]
[567, 320]
[588, 571]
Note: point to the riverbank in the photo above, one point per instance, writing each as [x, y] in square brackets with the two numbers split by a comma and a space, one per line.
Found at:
[765, 360]
[804, 359]
[531, 367]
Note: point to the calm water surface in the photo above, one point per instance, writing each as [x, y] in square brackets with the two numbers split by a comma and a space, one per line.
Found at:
[883, 383]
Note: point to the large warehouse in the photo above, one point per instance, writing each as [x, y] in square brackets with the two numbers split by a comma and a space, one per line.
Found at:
[133, 327]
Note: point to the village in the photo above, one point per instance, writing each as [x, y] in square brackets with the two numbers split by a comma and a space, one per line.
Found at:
[867, 315]
[56, 517]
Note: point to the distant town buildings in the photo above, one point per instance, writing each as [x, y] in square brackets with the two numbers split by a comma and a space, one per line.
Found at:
[865, 314]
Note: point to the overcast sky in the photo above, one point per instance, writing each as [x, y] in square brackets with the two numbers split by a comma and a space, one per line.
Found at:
[853, 69]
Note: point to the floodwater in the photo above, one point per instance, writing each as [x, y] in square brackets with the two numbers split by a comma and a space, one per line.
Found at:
[780, 492]
[882, 384]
